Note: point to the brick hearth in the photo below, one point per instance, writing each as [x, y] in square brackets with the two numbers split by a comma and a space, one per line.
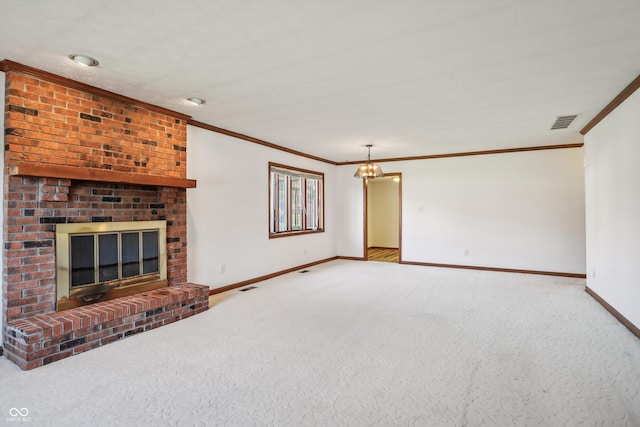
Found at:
[39, 340]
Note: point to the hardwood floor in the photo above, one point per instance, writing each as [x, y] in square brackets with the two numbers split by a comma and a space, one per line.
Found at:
[383, 254]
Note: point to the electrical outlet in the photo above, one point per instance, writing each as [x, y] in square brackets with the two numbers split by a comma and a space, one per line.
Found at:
[222, 268]
[466, 252]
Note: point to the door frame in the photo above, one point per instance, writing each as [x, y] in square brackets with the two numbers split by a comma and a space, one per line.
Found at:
[365, 219]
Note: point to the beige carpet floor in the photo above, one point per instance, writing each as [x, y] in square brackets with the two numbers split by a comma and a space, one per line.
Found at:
[356, 344]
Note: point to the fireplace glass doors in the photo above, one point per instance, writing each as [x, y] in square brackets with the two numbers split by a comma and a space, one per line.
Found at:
[97, 258]
[99, 261]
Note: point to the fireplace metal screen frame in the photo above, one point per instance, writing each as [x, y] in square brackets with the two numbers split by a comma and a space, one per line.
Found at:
[66, 298]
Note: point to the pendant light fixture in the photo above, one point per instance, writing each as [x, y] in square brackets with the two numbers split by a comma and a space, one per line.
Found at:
[368, 169]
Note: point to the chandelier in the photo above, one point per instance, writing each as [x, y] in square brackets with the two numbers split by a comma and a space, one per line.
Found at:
[368, 169]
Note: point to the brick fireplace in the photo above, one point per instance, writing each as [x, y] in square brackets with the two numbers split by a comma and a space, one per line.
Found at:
[79, 154]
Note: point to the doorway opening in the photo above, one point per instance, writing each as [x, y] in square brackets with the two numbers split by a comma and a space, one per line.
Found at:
[383, 218]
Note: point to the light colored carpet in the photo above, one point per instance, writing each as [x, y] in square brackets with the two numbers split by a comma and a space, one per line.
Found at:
[360, 344]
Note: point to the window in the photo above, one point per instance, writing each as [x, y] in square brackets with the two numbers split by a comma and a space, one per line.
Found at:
[296, 201]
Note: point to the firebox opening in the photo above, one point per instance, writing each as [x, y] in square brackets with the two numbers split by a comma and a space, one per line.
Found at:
[101, 261]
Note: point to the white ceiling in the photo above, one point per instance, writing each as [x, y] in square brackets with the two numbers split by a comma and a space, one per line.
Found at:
[327, 77]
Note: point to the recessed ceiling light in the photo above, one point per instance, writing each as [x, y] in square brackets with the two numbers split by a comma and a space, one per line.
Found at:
[85, 60]
[196, 101]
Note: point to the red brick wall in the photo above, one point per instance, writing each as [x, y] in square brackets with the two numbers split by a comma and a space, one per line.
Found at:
[54, 124]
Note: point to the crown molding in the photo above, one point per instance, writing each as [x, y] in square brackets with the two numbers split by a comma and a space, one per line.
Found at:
[257, 141]
[469, 153]
[622, 96]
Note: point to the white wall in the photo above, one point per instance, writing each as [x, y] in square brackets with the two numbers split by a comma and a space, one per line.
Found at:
[228, 212]
[517, 210]
[383, 213]
[612, 180]
[350, 213]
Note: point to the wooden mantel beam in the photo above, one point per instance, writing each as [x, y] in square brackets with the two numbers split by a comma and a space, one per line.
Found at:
[103, 175]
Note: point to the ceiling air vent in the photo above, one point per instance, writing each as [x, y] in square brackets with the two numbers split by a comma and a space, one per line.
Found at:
[563, 122]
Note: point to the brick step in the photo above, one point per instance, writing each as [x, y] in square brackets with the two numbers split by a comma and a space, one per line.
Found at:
[38, 340]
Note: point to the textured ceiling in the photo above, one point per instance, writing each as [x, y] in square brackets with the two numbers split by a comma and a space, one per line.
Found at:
[327, 77]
